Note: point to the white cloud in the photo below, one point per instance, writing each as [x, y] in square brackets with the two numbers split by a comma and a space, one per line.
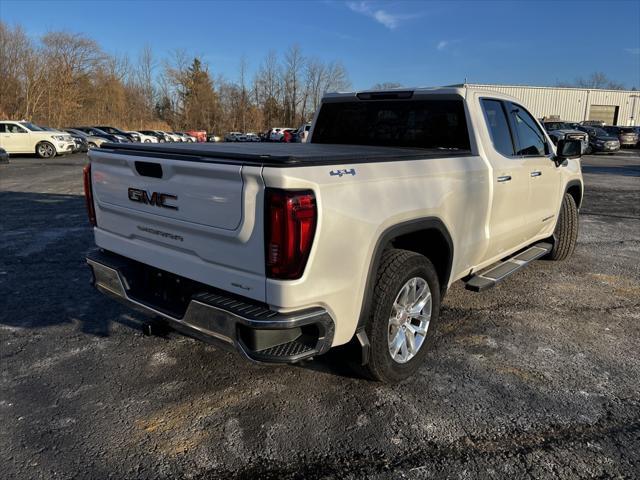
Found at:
[633, 51]
[442, 44]
[389, 20]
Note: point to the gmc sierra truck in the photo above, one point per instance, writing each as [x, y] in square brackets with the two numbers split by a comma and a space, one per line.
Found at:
[283, 251]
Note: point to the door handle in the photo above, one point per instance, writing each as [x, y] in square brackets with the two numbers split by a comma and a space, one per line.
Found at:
[504, 178]
[536, 173]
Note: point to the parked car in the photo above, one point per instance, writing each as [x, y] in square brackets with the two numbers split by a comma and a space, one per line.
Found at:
[185, 138]
[302, 133]
[214, 138]
[252, 137]
[627, 135]
[305, 254]
[4, 156]
[276, 134]
[26, 137]
[161, 137]
[637, 130]
[287, 135]
[559, 130]
[200, 135]
[593, 123]
[82, 145]
[235, 137]
[143, 137]
[93, 141]
[170, 136]
[192, 138]
[99, 133]
[130, 137]
[600, 140]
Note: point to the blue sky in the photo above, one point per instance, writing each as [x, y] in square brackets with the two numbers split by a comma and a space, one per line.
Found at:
[410, 42]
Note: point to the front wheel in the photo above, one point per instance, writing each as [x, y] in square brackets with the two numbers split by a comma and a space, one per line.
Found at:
[147, 141]
[565, 235]
[405, 308]
[45, 150]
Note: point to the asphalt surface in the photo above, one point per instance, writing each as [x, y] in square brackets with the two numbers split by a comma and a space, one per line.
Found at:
[535, 378]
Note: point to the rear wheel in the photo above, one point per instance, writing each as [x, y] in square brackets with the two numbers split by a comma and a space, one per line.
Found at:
[565, 236]
[147, 141]
[45, 150]
[405, 308]
[92, 145]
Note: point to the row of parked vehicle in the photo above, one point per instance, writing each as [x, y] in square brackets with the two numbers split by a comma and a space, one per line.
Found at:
[275, 134]
[46, 142]
[595, 135]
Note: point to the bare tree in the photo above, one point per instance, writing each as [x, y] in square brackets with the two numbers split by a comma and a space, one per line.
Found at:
[294, 63]
[595, 80]
[64, 78]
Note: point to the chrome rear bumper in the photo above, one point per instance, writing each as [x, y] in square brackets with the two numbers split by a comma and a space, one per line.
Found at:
[260, 333]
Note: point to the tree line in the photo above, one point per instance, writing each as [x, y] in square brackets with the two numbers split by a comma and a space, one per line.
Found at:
[64, 79]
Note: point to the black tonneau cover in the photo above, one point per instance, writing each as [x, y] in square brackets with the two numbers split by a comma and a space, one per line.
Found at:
[278, 154]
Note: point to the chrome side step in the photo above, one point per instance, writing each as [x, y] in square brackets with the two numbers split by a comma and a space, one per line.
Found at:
[501, 270]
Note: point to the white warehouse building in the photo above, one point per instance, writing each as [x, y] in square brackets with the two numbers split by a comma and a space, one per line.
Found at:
[614, 107]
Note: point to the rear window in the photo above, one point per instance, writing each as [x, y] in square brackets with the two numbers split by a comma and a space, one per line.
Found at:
[396, 123]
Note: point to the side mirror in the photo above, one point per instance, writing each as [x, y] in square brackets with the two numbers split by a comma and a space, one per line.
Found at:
[568, 149]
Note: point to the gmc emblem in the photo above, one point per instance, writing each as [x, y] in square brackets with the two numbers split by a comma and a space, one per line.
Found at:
[157, 199]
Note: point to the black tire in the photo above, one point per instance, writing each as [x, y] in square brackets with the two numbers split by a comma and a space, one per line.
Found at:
[45, 150]
[92, 145]
[147, 141]
[396, 268]
[589, 150]
[565, 236]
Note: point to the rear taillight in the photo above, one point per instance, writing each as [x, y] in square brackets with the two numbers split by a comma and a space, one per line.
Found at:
[290, 224]
[88, 194]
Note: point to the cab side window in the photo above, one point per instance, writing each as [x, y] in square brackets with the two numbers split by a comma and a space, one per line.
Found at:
[496, 118]
[13, 128]
[529, 138]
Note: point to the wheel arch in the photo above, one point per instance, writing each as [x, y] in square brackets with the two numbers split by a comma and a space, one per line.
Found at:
[426, 236]
[575, 189]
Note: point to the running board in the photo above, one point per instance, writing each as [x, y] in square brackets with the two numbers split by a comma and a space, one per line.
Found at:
[502, 270]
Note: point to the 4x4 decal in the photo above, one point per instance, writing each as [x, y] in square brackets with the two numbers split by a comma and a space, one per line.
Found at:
[344, 171]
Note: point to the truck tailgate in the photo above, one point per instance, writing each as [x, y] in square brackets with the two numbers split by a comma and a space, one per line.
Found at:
[196, 219]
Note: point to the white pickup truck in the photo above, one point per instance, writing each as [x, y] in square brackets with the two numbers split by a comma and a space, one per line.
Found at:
[283, 251]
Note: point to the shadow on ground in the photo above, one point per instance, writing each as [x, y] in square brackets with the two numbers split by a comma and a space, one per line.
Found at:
[44, 280]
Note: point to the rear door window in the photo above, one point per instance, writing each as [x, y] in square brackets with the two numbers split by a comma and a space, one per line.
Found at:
[530, 140]
[394, 123]
[496, 118]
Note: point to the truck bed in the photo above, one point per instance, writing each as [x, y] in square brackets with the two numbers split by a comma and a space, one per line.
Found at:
[278, 154]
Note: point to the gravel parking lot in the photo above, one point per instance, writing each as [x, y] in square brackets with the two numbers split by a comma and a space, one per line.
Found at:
[537, 377]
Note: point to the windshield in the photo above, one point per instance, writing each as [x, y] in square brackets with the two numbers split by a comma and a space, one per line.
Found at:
[598, 132]
[394, 123]
[32, 127]
[557, 126]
